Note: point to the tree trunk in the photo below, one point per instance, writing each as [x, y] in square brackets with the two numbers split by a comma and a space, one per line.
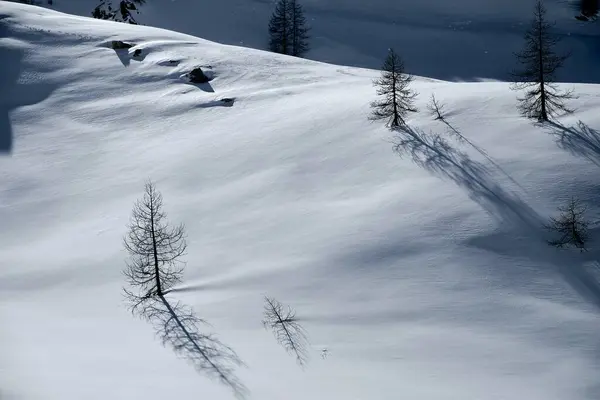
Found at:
[544, 114]
[395, 100]
[156, 269]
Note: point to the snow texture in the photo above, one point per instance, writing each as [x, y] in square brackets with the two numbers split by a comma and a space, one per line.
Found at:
[460, 40]
[425, 275]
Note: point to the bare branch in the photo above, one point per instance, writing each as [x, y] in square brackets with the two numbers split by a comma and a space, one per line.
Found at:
[154, 247]
[539, 64]
[435, 108]
[179, 328]
[571, 226]
[287, 329]
[153, 269]
[397, 98]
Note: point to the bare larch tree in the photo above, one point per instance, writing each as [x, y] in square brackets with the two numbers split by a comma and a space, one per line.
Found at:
[286, 328]
[397, 97]
[436, 109]
[154, 248]
[540, 62]
[571, 225]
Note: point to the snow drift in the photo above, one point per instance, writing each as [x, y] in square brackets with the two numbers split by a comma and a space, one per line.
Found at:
[424, 274]
[464, 40]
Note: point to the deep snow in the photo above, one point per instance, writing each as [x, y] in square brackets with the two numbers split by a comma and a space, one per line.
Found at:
[466, 40]
[425, 276]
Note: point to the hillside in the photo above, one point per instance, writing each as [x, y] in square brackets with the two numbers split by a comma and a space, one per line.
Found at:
[425, 276]
[463, 40]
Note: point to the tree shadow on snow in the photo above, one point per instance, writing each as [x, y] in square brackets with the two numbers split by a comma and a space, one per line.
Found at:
[579, 140]
[178, 327]
[463, 139]
[435, 154]
[521, 233]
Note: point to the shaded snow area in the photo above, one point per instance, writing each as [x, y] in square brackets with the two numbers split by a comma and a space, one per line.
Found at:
[425, 275]
[464, 40]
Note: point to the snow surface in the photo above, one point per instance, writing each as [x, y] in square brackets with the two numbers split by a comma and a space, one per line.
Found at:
[425, 276]
[466, 40]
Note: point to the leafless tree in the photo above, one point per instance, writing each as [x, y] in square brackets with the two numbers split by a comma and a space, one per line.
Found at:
[571, 225]
[154, 249]
[435, 108]
[540, 62]
[397, 98]
[286, 328]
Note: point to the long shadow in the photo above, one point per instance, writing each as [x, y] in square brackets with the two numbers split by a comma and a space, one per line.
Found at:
[436, 154]
[579, 140]
[461, 138]
[522, 229]
[575, 268]
[178, 326]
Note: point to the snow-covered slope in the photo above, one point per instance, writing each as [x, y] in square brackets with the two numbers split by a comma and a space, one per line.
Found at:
[425, 276]
[450, 40]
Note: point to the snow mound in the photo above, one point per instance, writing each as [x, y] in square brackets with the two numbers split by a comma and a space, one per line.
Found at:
[459, 40]
[423, 274]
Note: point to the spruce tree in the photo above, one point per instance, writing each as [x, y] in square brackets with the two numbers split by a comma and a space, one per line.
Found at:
[540, 62]
[299, 29]
[397, 97]
[288, 31]
[588, 10]
[279, 28]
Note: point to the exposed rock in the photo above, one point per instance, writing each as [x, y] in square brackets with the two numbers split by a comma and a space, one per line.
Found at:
[119, 45]
[198, 76]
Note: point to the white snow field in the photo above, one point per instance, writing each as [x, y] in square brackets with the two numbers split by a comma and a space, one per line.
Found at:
[465, 40]
[425, 276]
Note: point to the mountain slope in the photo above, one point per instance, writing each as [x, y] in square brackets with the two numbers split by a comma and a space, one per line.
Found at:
[458, 40]
[425, 276]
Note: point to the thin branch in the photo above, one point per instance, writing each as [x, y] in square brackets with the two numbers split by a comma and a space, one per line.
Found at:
[287, 329]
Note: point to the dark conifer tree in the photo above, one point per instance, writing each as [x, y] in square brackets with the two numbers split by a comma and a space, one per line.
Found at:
[279, 28]
[540, 62]
[299, 29]
[397, 99]
[288, 31]
[588, 10]
[123, 13]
